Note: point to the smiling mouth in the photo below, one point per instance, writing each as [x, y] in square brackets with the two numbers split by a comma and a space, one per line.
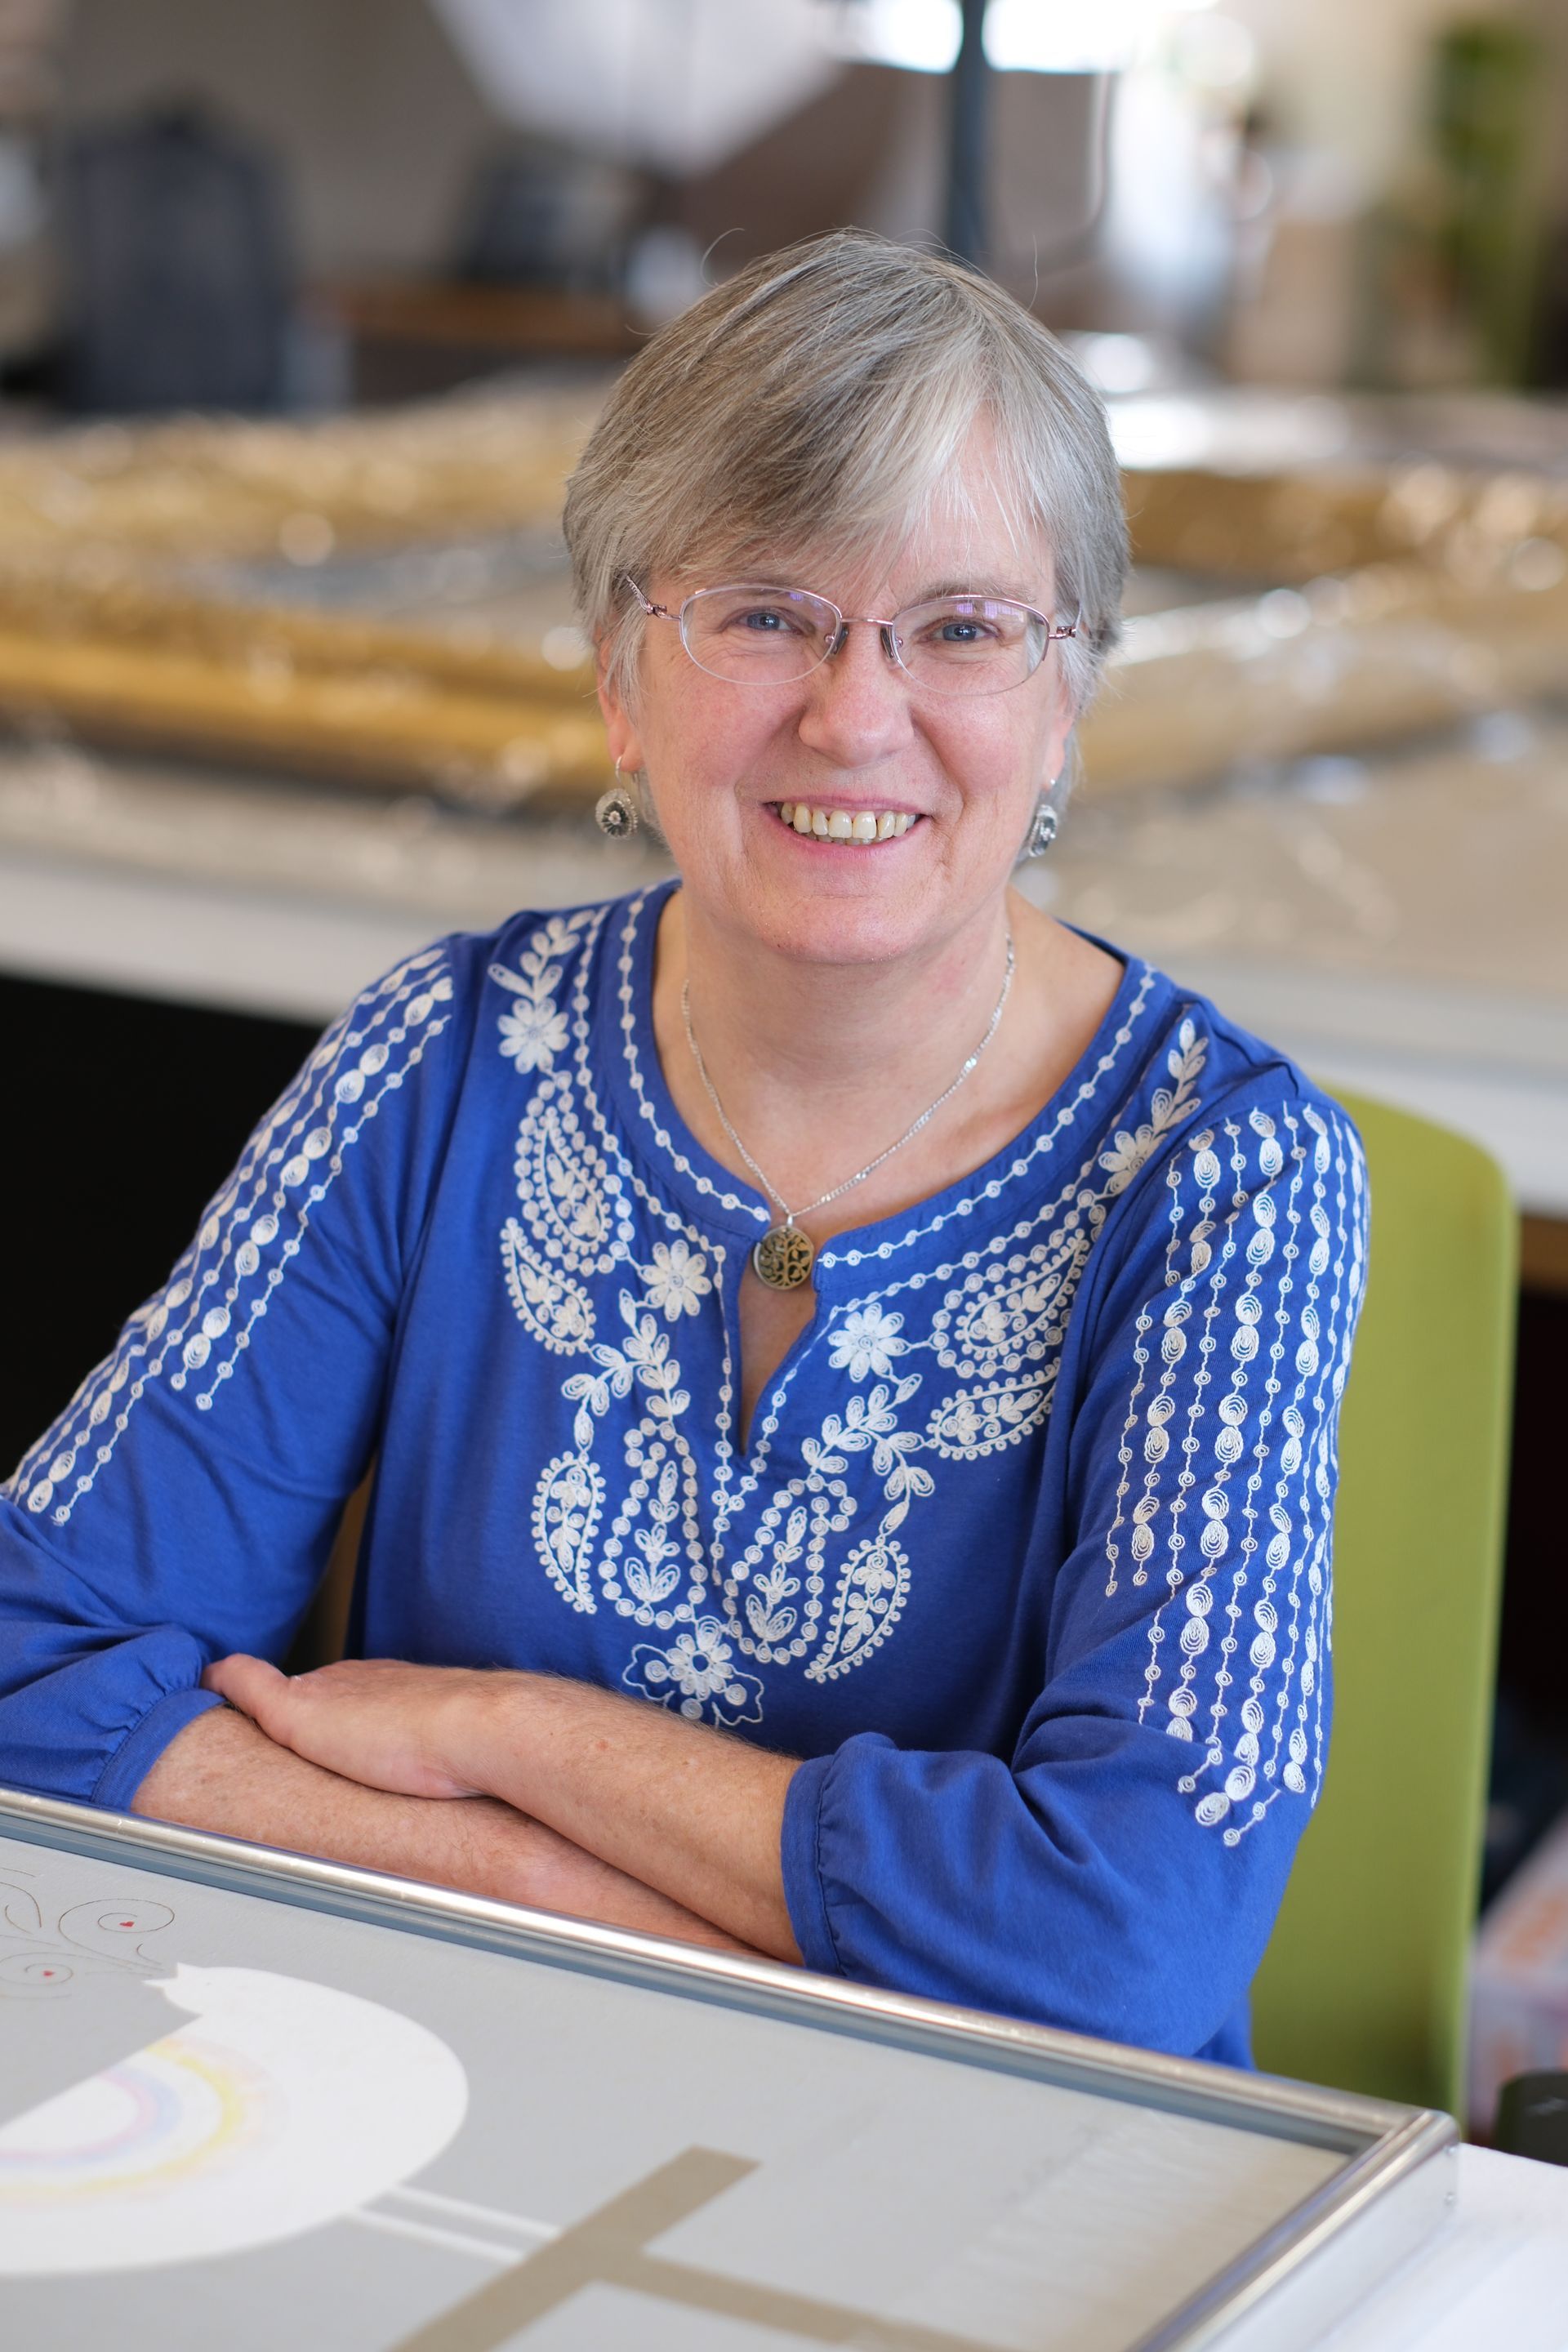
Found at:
[852, 828]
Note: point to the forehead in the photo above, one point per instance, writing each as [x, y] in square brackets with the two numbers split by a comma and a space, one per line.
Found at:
[940, 557]
[968, 529]
[979, 541]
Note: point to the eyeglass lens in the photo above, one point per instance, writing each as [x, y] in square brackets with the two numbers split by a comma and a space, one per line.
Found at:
[771, 636]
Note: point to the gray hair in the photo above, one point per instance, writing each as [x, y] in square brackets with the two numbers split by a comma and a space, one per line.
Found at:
[821, 400]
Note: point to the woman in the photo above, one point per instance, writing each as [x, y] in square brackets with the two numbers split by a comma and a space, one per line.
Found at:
[852, 1364]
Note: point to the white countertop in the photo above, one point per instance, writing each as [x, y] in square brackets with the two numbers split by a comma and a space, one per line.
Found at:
[1395, 925]
[1495, 2280]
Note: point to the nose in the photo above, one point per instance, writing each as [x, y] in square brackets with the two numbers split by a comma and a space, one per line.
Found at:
[858, 708]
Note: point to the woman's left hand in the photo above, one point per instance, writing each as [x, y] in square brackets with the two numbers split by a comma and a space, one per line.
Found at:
[380, 1721]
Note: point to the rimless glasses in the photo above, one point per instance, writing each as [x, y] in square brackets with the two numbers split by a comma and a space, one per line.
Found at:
[752, 635]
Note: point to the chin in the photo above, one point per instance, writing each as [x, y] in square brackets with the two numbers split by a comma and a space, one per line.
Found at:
[821, 905]
[845, 927]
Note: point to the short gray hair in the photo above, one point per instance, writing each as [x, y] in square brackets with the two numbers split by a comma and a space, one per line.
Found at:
[821, 399]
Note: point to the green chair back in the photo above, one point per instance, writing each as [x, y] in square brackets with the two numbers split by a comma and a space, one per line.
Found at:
[1364, 1984]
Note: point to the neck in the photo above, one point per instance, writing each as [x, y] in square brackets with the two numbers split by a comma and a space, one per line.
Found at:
[818, 1067]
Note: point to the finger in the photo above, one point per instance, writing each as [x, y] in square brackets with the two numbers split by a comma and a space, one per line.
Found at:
[252, 1685]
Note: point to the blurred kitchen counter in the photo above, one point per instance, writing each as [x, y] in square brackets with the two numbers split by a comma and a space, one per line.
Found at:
[1395, 922]
[1398, 924]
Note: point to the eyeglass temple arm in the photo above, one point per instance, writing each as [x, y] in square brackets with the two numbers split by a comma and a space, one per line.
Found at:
[654, 612]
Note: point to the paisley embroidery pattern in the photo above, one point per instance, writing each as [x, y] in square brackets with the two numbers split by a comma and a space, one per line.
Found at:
[796, 1555]
[794, 1562]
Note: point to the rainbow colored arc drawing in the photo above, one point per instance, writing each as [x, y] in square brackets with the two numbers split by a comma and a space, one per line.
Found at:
[282, 2106]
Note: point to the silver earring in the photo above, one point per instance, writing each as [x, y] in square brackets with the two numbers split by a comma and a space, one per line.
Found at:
[1043, 829]
[616, 811]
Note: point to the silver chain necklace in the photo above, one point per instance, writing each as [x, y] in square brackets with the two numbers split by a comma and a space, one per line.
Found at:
[784, 1256]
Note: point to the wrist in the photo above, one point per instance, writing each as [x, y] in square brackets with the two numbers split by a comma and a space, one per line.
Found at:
[482, 1734]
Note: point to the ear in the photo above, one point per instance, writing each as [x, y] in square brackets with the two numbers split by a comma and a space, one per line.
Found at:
[625, 745]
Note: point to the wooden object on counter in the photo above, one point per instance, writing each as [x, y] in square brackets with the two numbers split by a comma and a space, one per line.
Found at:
[148, 597]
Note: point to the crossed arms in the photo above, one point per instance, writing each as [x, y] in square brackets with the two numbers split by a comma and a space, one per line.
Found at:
[524, 1787]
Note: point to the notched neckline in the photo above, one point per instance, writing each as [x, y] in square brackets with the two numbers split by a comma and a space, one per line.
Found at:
[704, 1184]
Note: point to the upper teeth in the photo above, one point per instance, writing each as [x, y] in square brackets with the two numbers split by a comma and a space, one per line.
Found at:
[846, 825]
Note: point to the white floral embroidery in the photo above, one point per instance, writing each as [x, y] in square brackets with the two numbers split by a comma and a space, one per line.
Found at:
[195, 1335]
[533, 1034]
[867, 1340]
[1132, 1151]
[800, 1561]
[699, 1665]
[532, 1030]
[678, 1279]
[798, 1558]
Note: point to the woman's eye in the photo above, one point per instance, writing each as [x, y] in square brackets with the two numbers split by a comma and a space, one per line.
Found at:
[959, 629]
[764, 620]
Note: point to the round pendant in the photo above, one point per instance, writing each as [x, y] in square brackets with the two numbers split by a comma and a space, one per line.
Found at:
[784, 1258]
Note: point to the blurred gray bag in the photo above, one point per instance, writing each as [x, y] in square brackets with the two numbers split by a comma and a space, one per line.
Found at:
[178, 283]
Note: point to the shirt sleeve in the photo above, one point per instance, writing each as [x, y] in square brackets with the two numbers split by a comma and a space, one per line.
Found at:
[1119, 1872]
[184, 1503]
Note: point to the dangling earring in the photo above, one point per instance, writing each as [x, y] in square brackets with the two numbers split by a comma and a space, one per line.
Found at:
[1043, 828]
[616, 811]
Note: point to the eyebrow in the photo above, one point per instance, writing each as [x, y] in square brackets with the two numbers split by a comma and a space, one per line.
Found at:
[1010, 594]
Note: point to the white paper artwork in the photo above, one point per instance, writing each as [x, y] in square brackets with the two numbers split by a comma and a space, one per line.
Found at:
[280, 2106]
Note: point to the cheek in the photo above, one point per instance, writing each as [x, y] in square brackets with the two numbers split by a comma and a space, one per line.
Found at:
[698, 742]
[996, 757]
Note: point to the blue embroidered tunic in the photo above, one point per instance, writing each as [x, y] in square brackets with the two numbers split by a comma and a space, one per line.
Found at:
[1028, 1555]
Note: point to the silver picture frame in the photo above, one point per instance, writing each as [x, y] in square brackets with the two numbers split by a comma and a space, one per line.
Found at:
[1393, 2188]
